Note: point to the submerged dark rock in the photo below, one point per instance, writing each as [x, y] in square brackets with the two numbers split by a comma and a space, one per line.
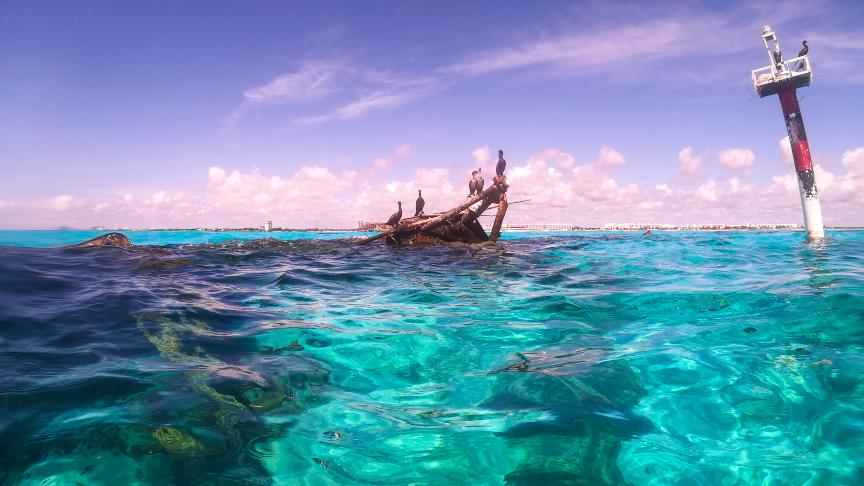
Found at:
[111, 239]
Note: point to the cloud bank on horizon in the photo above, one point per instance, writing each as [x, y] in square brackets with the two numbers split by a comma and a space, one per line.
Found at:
[310, 133]
[559, 189]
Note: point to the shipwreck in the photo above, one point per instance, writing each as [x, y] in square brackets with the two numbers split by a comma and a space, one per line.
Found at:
[456, 225]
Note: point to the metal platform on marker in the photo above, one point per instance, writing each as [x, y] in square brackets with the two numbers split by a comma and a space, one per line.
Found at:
[769, 80]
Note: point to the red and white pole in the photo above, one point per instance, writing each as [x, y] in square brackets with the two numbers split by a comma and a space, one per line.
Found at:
[803, 163]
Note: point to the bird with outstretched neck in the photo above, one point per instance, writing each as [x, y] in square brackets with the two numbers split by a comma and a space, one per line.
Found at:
[803, 52]
[396, 217]
[420, 203]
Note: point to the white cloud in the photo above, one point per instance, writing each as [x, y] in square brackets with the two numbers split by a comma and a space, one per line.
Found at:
[651, 204]
[690, 169]
[708, 191]
[849, 187]
[380, 99]
[583, 53]
[788, 181]
[611, 158]
[654, 45]
[381, 164]
[853, 160]
[563, 184]
[394, 93]
[403, 151]
[824, 179]
[786, 151]
[739, 160]
[315, 80]
[217, 175]
[482, 155]
[560, 190]
[647, 47]
[734, 184]
[657, 46]
[63, 203]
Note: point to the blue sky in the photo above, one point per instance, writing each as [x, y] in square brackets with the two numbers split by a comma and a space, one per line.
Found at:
[117, 113]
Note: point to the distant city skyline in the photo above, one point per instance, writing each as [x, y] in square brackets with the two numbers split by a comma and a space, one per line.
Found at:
[363, 225]
[225, 114]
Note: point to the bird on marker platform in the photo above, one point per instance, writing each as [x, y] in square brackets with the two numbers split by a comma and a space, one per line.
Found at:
[479, 182]
[778, 57]
[803, 52]
[502, 164]
[420, 203]
[394, 219]
[472, 184]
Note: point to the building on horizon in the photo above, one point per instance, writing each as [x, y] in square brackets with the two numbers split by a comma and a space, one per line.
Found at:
[532, 227]
[637, 226]
[268, 225]
[691, 227]
[370, 225]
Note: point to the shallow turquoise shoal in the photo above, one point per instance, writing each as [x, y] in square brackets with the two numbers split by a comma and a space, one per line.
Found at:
[675, 358]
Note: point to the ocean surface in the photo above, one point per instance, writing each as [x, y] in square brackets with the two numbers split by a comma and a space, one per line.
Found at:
[681, 358]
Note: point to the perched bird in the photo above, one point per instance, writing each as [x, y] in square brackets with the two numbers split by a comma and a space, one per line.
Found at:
[472, 184]
[478, 181]
[803, 52]
[420, 203]
[778, 57]
[502, 164]
[394, 219]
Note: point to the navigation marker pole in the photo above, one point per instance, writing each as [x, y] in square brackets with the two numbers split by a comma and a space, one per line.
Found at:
[803, 163]
[783, 78]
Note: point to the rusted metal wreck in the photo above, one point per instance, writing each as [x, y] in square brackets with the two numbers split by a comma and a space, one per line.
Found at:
[457, 225]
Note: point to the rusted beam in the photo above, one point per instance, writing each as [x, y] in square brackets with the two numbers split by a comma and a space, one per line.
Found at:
[490, 193]
[472, 214]
[499, 218]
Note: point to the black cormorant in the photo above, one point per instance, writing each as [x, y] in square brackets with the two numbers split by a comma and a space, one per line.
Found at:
[472, 184]
[479, 182]
[502, 164]
[394, 220]
[778, 57]
[420, 203]
[803, 52]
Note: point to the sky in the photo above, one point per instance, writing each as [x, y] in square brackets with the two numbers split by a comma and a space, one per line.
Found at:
[189, 114]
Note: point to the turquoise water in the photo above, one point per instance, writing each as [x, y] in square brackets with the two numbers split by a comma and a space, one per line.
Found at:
[71, 237]
[701, 358]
